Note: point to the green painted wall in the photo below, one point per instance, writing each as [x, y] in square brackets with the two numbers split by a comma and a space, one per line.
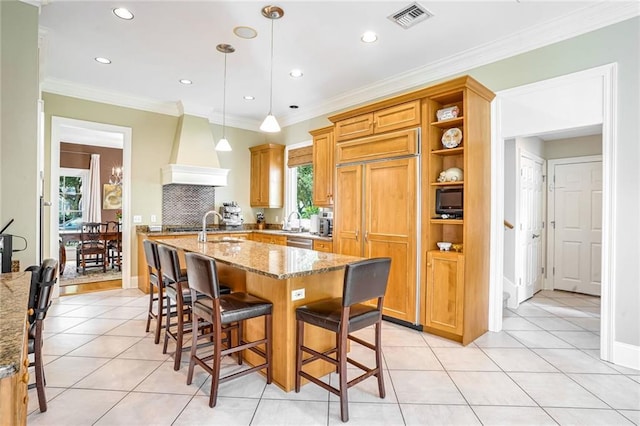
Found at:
[19, 197]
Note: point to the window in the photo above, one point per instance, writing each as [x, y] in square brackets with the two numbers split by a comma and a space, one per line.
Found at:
[70, 201]
[299, 185]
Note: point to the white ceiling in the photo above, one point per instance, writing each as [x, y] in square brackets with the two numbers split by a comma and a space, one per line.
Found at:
[170, 40]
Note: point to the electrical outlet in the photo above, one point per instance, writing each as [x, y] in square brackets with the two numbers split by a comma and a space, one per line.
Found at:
[154, 218]
[137, 219]
[297, 294]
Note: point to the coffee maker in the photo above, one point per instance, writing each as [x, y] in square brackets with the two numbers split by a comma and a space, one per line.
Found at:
[231, 214]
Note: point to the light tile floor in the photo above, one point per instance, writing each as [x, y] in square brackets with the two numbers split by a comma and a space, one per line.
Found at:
[103, 369]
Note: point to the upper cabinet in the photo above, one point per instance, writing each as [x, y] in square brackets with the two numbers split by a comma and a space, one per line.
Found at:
[267, 176]
[383, 120]
[323, 166]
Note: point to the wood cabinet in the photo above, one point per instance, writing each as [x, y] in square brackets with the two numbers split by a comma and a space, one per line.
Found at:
[269, 238]
[267, 176]
[323, 166]
[455, 305]
[14, 394]
[445, 291]
[382, 120]
[324, 246]
[375, 216]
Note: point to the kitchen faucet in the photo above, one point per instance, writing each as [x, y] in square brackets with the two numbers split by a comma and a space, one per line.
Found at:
[202, 236]
[289, 219]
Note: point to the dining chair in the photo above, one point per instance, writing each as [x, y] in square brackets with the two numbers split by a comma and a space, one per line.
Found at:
[364, 281]
[114, 244]
[43, 278]
[91, 249]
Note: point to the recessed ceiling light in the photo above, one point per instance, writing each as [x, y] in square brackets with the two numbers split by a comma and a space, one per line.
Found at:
[248, 98]
[296, 73]
[185, 81]
[369, 37]
[245, 32]
[123, 13]
[102, 60]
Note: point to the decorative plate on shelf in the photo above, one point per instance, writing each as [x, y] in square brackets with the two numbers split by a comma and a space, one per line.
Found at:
[452, 138]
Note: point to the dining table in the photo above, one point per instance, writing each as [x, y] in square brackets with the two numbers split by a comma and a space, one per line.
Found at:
[76, 236]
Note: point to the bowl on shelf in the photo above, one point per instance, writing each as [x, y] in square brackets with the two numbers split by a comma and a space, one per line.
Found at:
[444, 245]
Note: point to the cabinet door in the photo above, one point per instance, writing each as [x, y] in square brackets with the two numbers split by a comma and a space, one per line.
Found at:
[397, 117]
[347, 233]
[355, 127]
[445, 291]
[267, 176]
[256, 189]
[390, 230]
[323, 169]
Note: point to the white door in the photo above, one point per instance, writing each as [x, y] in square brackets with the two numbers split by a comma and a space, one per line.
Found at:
[530, 229]
[578, 227]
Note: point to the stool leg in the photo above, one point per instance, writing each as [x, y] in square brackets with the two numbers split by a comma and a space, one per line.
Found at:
[215, 371]
[159, 315]
[342, 362]
[268, 348]
[167, 326]
[194, 347]
[39, 367]
[299, 343]
[240, 337]
[379, 360]
[150, 311]
[179, 337]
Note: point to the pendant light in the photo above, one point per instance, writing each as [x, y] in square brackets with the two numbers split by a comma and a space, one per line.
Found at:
[223, 144]
[270, 124]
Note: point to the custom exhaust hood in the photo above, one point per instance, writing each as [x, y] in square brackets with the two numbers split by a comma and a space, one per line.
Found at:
[194, 160]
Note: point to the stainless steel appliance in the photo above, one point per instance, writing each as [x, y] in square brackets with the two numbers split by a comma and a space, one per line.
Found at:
[231, 214]
[6, 249]
[305, 243]
[326, 224]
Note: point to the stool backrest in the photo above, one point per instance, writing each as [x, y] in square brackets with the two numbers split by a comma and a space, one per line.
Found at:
[365, 280]
[169, 262]
[151, 254]
[43, 278]
[203, 275]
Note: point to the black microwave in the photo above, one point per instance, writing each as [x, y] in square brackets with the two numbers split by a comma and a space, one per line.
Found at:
[450, 201]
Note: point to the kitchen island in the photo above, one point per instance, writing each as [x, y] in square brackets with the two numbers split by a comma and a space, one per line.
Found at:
[14, 295]
[275, 273]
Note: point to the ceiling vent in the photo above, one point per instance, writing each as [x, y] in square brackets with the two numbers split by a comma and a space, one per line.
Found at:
[410, 15]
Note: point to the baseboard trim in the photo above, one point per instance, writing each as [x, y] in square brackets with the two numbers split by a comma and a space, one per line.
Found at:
[626, 355]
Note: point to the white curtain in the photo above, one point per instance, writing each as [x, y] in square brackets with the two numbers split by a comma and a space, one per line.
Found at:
[94, 212]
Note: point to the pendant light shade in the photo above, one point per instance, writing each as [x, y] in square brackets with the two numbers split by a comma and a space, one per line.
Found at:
[223, 144]
[270, 124]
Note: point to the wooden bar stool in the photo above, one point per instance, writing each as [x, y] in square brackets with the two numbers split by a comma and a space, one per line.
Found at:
[363, 281]
[43, 278]
[226, 313]
[155, 282]
[178, 294]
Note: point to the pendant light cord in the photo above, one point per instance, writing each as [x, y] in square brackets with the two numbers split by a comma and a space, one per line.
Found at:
[224, 97]
[271, 73]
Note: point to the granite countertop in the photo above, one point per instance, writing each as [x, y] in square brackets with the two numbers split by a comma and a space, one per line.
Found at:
[275, 261]
[14, 297]
[184, 231]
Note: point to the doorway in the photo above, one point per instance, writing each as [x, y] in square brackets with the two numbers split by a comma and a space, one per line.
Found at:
[85, 132]
[581, 99]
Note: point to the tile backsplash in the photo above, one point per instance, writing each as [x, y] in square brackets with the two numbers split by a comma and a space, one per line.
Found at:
[186, 204]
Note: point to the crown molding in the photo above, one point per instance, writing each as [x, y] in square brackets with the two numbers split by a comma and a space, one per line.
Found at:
[190, 108]
[74, 90]
[237, 122]
[586, 20]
